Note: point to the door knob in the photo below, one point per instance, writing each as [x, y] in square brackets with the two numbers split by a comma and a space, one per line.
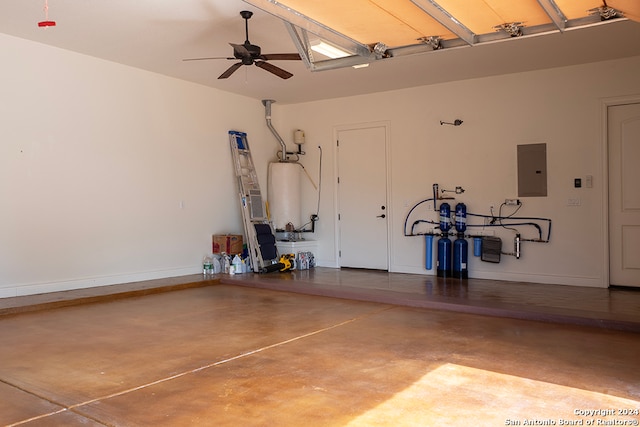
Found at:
[381, 216]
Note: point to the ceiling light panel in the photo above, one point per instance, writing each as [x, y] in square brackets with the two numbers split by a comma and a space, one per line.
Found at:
[328, 50]
[392, 22]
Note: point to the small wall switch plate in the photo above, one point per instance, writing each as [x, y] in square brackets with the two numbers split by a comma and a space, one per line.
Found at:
[577, 182]
[574, 202]
[589, 181]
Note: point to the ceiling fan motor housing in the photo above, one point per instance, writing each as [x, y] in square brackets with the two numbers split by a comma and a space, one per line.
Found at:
[254, 51]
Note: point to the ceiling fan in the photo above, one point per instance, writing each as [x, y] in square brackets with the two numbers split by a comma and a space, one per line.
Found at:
[250, 54]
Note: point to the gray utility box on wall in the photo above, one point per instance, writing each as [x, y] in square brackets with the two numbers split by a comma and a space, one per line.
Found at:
[532, 170]
[491, 249]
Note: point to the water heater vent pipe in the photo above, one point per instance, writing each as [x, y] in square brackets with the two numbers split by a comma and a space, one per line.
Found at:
[267, 107]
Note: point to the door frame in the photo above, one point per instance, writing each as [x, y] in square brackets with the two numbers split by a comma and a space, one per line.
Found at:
[605, 104]
[386, 124]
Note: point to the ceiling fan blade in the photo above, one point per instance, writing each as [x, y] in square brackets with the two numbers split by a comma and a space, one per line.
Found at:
[274, 70]
[230, 70]
[206, 59]
[240, 50]
[281, 57]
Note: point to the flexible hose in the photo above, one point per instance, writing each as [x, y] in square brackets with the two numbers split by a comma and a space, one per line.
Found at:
[409, 214]
[519, 218]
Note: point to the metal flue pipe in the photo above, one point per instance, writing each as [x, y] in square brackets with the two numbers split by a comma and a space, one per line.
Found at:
[267, 107]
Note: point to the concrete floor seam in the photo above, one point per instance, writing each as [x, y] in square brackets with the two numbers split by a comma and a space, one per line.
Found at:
[36, 418]
[63, 407]
[228, 360]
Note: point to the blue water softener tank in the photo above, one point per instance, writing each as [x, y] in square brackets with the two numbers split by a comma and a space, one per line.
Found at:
[445, 218]
[460, 245]
[461, 217]
[460, 257]
[444, 243]
[444, 257]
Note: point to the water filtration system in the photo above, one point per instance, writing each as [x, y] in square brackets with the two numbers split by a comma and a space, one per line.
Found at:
[452, 257]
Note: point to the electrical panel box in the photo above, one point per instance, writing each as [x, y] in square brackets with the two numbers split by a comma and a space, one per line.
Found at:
[532, 170]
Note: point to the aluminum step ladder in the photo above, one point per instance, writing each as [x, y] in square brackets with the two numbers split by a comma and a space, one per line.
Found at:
[261, 241]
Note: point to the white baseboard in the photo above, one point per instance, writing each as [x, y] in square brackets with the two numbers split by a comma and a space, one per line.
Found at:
[91, 282]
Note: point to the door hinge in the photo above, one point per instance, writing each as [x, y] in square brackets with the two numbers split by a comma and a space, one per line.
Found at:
[339, 254]
[338, 217]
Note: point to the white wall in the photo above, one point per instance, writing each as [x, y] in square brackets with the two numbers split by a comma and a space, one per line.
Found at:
[560, 107]
[110, 174]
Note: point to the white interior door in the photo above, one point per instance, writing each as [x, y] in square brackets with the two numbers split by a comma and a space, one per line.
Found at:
[624, 194]
[362, 197]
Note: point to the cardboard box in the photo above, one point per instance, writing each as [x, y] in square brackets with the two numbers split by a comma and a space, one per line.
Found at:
[229, 243]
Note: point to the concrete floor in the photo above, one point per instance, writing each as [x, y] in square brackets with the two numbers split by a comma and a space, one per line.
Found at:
[220, 354]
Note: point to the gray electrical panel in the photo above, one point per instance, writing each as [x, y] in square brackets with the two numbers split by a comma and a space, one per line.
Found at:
[532, 170]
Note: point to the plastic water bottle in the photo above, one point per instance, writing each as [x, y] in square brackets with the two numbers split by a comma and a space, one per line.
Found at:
[237, 265]
[217, 268]
[226, 263]
[207, 266]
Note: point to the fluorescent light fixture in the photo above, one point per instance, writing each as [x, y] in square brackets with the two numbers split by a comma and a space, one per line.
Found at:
[328, 50]
[361, 65]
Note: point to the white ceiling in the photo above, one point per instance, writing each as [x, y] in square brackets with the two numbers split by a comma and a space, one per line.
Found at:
[156, 35]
